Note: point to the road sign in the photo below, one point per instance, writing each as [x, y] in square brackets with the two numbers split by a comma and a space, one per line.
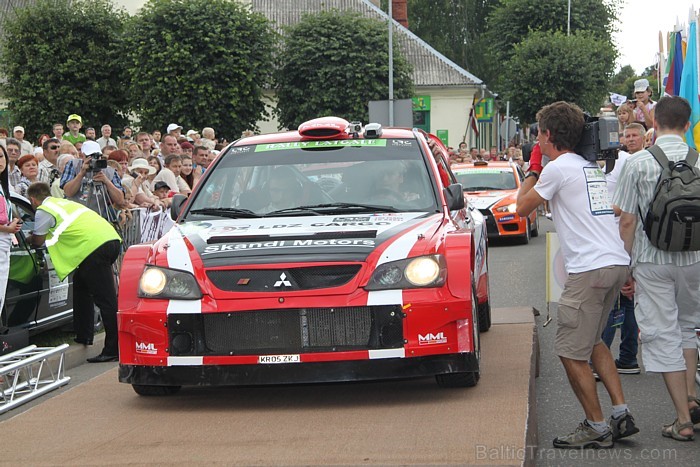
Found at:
[508, 129]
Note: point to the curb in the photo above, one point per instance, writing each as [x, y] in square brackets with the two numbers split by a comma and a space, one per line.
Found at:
[77, 354]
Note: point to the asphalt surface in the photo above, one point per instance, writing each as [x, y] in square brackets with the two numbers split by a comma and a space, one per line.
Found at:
[518, 278]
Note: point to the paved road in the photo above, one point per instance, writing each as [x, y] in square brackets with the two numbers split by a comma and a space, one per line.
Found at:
[518, 278]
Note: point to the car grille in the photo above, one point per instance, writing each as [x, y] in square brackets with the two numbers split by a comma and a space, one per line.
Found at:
[491, 227]
[287, 331]
[271, 280]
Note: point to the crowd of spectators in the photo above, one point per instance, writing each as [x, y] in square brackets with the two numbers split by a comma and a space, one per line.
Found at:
[144, 169]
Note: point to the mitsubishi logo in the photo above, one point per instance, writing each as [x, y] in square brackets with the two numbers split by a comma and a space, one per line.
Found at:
[283, 282]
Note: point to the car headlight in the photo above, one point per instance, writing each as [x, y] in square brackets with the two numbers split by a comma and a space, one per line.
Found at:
[165, 283]
[411, 273]
[506, 208]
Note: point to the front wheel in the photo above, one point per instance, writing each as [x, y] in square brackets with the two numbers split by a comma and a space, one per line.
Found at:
[458, 380]
[536, 228]
[145, 390]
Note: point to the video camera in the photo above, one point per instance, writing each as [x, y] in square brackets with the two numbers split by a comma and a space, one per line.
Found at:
[97, 163]
[600, 140]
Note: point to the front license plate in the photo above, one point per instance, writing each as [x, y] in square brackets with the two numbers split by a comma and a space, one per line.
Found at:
[279, 359]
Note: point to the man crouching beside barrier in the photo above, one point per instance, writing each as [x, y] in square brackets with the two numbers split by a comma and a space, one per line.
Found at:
[80, 240]
[597, 266]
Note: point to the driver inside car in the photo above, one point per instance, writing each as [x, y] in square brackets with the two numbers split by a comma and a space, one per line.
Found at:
[284, 189]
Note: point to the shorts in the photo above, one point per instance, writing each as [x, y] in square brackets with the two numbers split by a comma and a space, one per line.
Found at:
[667, 312]
[584, 307]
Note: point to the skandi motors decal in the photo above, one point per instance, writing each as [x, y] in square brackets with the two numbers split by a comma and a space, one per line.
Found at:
[431, 339]
[362, 243]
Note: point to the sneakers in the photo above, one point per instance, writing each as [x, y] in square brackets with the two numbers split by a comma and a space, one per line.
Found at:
[548, 215]
[625, 369]
[585, 437]
[623, 426]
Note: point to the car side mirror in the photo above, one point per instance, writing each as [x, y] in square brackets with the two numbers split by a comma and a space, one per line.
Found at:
[454, 194]
[177, 205]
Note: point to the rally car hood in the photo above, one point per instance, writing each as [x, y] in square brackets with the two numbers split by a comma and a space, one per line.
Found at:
[300, 239]
[486, 199]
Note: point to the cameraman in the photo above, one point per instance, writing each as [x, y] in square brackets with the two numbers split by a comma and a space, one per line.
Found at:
[597, 267]
[79, 179]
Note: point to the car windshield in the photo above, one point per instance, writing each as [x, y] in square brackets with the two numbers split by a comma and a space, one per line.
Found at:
[486, 179]
[316, 178]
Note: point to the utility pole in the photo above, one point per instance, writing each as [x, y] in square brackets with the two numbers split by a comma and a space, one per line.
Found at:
[391, 64]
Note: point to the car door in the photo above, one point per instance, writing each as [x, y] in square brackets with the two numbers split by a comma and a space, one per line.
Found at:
[53, 298]
[24, 279]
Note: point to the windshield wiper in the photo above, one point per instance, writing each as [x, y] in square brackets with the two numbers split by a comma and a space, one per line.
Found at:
[327, 208]
[226, 212]
[481, 188]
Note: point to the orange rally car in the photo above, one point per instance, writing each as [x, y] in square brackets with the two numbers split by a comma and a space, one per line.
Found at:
[491, 187]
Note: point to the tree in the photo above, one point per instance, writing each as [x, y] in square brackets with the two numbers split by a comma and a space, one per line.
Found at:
[548, 67]
[456, 29]
[513, 20]
[334, 63]
[199, 63]
[62, 57]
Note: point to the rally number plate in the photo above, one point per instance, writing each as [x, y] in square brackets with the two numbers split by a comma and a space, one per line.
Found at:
[279, 359]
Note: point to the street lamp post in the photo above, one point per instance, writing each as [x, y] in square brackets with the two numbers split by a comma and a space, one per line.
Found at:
[568, 20]
[391, 64]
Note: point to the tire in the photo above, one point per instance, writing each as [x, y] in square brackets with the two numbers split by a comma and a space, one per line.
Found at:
[466, 379]
[143, 390]
[484, 317]
[525, 239]
[536, 229]
[458, 380]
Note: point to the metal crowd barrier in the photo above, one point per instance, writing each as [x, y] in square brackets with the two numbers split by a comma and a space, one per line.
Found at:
[141, 225]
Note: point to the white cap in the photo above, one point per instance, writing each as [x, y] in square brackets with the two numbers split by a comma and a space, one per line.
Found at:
[90, 147]
[18, 128]
[173, 127]
[192, 132]
[641, 85]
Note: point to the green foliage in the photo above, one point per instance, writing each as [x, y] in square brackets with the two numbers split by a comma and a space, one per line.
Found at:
[199, 63]
[62, 57]
[334, 63]
[456, 29]
[548, 67]
[621, 76]
[513, 20]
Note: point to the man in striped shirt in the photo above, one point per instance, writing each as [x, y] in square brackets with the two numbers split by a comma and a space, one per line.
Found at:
[667, 283]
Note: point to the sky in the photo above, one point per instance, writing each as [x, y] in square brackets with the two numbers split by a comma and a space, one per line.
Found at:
[639, 26]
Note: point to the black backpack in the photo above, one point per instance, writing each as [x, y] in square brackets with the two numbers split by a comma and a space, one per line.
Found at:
[672, 222]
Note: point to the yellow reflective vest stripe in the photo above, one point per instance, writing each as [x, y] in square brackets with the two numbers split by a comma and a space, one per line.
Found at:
[78, 232]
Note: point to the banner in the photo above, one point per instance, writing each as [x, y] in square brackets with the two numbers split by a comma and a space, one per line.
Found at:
[154, 224]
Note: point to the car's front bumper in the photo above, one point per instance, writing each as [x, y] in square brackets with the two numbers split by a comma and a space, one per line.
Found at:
[292, 373]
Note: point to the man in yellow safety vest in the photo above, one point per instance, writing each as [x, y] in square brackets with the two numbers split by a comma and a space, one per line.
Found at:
[79, 240]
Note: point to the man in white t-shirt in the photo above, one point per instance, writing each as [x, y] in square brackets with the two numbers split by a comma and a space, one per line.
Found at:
[597, 266]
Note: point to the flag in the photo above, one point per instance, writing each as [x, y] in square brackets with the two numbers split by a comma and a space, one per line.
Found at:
[472, 117]
[674, 66]
[689, 86]
[617, 99]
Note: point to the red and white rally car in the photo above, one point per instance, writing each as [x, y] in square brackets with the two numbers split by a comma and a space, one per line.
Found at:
[332, 253]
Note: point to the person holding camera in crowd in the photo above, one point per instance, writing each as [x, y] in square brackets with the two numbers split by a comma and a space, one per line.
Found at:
[597, 266]
[667, 282]
[82, 177]
[80, 241]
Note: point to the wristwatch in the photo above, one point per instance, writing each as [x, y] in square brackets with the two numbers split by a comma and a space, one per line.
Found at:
[532, 174]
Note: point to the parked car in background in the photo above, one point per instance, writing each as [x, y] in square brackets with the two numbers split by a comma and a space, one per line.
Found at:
[35, 300]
